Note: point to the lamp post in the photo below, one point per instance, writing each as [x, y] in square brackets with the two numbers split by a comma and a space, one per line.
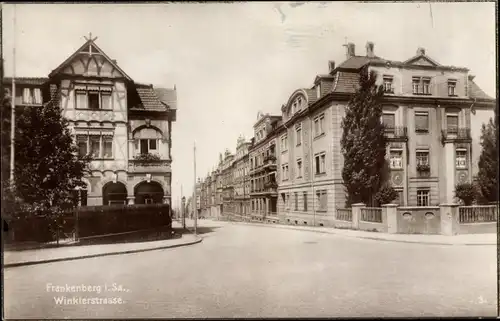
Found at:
[13, 104]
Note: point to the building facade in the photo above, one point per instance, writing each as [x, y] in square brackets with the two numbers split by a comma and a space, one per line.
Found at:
[241, 181]
[427, 111]
[227, 172]
[125, 126]
[263, 187]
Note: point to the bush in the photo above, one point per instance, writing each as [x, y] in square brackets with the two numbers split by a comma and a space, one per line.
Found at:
[386, 195]
[466, 192]
[147, 157]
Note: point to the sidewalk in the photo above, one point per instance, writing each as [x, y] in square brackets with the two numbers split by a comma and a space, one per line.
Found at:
[66, 253]
[462, 239]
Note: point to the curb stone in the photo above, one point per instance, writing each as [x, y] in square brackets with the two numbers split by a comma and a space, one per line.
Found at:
[199, 239]
[362, 237]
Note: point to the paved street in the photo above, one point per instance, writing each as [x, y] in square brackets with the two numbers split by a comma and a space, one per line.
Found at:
[251, 271]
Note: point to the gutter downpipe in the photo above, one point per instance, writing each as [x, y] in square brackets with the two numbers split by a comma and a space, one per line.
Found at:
[312, 167]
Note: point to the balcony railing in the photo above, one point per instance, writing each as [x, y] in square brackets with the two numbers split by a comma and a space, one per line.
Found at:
[397, 132]
[456, 134]
[149, 166]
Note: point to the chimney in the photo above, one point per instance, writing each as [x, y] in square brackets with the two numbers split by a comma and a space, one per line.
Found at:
[420, 51]
[369, 49]
[331, 66]
[350, 50]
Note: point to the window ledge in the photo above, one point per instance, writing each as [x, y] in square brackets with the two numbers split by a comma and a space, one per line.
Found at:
[422, 94]
[319, 136]
[452, 95]
[421, 131]
[320, 174]
[321, 211]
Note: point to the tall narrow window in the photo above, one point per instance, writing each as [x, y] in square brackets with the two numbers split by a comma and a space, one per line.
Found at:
[93, 99]
[82, 141]
[27, 97]
[389, 120]
[426, 86]
[37, 95]
[452, 85]
[299, 168]
[296, 196]
[416, 85]
[388, 88]
[107, 142]
[105, 100]
[144, 146]
[305, 201]
[320, 163]
[95, 146]
[452, 123]
[298, 134]
[81, 99]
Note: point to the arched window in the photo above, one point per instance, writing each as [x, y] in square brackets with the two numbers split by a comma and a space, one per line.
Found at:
[114, 193]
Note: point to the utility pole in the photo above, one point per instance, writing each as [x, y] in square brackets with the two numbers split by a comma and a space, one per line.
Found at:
[195, 201]
[13, 104]
[183, 212]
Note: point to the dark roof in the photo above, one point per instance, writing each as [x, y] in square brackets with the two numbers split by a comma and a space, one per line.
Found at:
[356, 62]
[346, 82]
[37, 81]
[477, 93]
[149, 99]
[167, 96]
[311, 95]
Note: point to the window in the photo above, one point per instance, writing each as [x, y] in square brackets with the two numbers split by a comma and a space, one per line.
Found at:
[298, 134]
[318, 91]
[296, 196]
[461, 158]
[284, 169]
[95, 146]
[319, 125]
[320, 163]
[452, 123]
[147, 146]
[284, 143]
[396, 159]
[287, 201]
[416, 85]
[283, 198]
[92, 99]
[91, 145]
[421, 121]
[422, 158]
[389, 120]
[322, 200]
[426, 84]
[452, 85]
[305, 201]
[299, 168]
[388, 84]
[423, 197]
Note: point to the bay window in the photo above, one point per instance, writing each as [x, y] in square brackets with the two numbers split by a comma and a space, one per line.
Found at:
[93, 99]
[95, 145]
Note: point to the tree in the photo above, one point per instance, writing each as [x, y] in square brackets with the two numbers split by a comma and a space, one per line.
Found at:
[487, 177]
[466, 192]
[386, 194]
[47, 167]
[363, 141]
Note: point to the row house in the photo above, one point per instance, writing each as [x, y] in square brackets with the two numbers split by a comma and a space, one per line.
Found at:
[241, 183]
[264, 186]
[428, 110]
[227, 172]
[124, 125]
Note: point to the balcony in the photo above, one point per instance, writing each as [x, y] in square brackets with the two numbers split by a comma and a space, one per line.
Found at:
[423, 170]
[397, 133]
[456, 135]
[148, 163]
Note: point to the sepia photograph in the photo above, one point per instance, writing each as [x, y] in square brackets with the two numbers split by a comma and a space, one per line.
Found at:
[171, 160]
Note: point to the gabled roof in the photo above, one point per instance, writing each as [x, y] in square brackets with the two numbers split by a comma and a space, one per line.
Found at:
[89, 43]
[424, 57]
[167, 96]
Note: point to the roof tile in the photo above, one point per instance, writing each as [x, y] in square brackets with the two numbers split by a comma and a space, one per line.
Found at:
[37, 81]
[149, 99]
[347, 82]
[477, 93]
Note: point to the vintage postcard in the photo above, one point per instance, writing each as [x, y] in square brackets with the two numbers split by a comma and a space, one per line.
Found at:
[249, 160]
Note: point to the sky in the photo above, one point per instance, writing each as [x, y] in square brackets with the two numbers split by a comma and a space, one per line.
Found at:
[230, 61]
